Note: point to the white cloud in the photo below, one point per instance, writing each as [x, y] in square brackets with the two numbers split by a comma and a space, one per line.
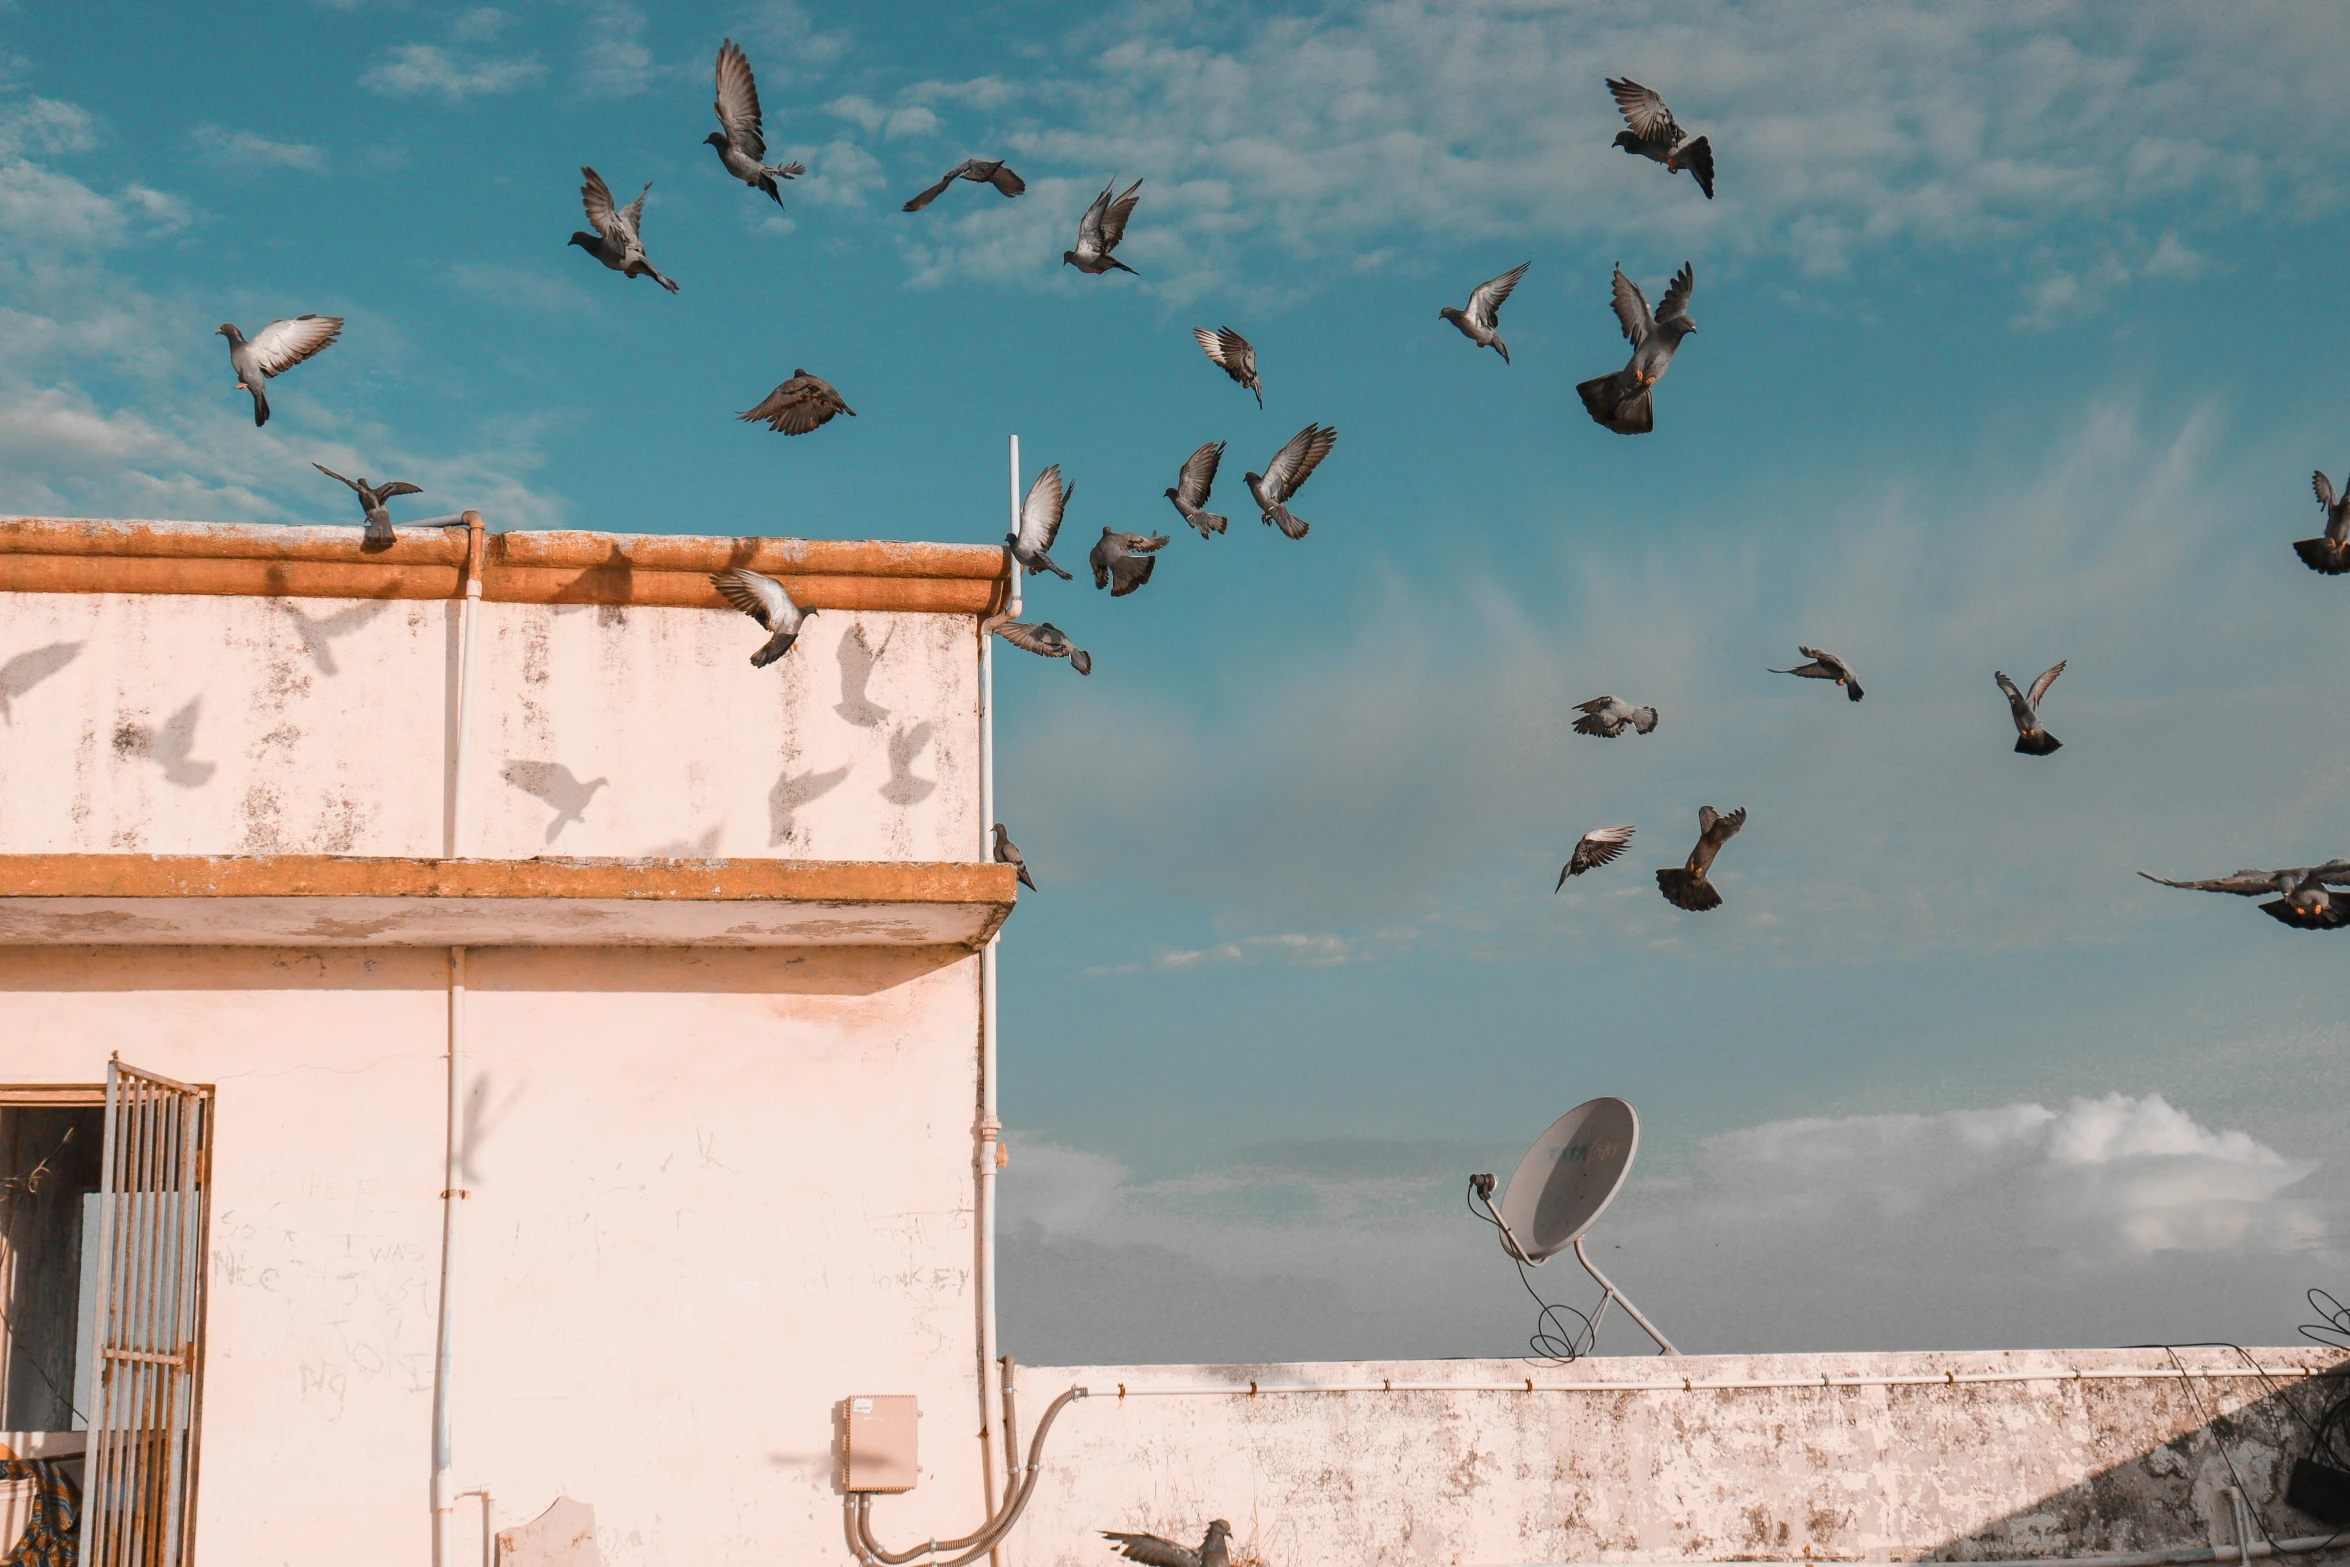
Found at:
[614, 61]
[1297, 949]
[481, 25]
[797, 49]
[872, 118]
[45, 127]
[527, 288]
[245, 152]
[414, 70]
[840, 174]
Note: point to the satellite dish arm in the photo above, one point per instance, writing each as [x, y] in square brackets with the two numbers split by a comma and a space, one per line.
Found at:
[1482, 1187]
[1664, 1345]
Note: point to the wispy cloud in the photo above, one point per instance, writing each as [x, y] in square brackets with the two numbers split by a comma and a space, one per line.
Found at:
[418, 70]
[243, 152]
[614, 61]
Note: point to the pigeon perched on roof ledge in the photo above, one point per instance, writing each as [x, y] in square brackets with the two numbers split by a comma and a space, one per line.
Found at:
[379, 533]
[1008, 853]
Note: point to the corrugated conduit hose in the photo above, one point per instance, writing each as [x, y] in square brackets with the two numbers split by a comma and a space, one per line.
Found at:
[980, 1541]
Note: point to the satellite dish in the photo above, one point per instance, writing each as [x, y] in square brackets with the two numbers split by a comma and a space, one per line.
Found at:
[1560, 1189]
[1569, 1176]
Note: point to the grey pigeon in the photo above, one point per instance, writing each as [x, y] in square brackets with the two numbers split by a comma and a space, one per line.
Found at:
[371, 501]
[617, 240]
[1232, 351]
[1825, 666]
[1608, 717]
[2030, 738]
[1684, 885]
[274, 350]
[1653, 134]
[1157, 1551]
[1480, 323]
[1621, 401]
[1008, 853]
[1099, 231]
[1189, 492]
[763, 599]
[1596, 848]
[2330, 554]
[1040, 522]
[741, 144]
[2306, 904]
[1046, 640]
[986, 171]
[800, 405]
[1287, 473]
[1122, 562]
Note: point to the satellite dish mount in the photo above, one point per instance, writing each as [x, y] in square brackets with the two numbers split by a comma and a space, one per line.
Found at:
[1560, 1189]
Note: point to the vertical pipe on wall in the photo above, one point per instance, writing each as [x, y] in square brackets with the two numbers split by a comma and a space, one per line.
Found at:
[468, 611]
[990, 1130]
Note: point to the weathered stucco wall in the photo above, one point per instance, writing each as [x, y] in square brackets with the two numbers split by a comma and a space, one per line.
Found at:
[214, 724]
[1967, 1470]
[713, 1193]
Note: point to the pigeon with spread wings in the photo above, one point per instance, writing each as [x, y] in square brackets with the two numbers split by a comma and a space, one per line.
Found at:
[1621, 401]
[1286, 474]
[1609, 716]
[1654, 134]
[1232, 352]
[1154, 1550]
[1685, 885]
[2308, 903]
[763, 599]
[1040, 522]
[1122, 562]
[1046, 640]
[617, 240]
[1100, 230]
[274, 350]
[1825, 666]
[2330, 552]
[799, 405]
[741, 144]
[1481, 322]
[985, 171]
[2030, 738]
[1189, 492]
[379, 533]
[1596, 848]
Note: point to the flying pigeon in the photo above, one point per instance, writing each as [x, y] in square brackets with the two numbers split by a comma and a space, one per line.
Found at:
[1607, 716]
[1654, 135]
[984, 170]
[1480, 323]
[740, 144]
[1620, 401]
[1596, 848]
[2030, 738]
[1046, 640]
[1685, 886]
[1287, 473]
[1190, 490]
[277, 348]
[1040, 522]
[2306, 904]
[1008, 853]
[615, 241]
[1232, 351]
[764, 600]
[800, 405]
[1099, 231]
[1122, 562]
[1156, 1551]
[371, 501]
[1825, 666]
[2330, 554]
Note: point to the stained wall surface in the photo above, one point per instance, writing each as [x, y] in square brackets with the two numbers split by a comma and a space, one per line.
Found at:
[2050, 1466]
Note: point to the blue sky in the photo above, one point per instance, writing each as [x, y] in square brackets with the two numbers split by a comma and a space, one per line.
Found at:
[2019, 337]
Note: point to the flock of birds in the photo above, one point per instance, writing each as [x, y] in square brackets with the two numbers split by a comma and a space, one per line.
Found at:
[1122, 562]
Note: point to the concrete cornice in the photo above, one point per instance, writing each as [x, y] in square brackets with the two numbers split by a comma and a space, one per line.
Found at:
[66, 555]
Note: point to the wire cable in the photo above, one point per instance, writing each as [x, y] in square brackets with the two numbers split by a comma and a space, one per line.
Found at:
[1553, 1342]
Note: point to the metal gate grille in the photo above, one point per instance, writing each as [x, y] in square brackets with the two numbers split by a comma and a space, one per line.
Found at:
[140, 1472]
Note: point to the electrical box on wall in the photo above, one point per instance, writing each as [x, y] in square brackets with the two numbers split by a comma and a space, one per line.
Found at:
[879, 1442]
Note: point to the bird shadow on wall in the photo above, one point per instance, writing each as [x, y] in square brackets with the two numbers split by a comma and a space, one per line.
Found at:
[171, 748]
[28, 669]
[701, 848]
[903, 787]
[483, 1116]
[320, 631]
[790, 793]
[857, 658]
[556, 785]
